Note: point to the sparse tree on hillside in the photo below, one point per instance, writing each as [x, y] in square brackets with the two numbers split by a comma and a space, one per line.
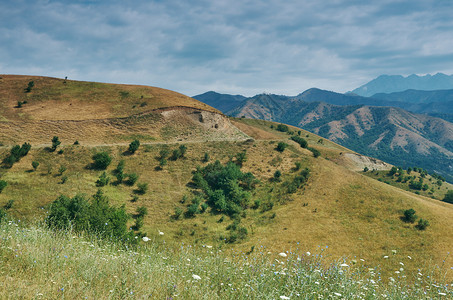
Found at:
[101, 160]
[35, 165]
[133, 146]
[55, 143]
[449, 197]
[281, 146]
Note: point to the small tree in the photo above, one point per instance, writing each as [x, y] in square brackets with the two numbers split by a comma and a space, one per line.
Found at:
[30, 85]
[449, 197]
[35, 165]
[55, 143]
[3, 184]
[205, 157]
[277, 176]
[142, 211]
[101, 160]
[133, 146]
[365, 169]
[409, 216]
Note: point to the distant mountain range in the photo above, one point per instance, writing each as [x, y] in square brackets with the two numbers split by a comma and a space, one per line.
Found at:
[394, 127]
[388, 133]
[222, 102]
[398, 83]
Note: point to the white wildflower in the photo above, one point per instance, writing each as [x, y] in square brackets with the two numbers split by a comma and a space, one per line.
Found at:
[161, 233]
[196, 277]
[386, 257]
[344, 265]
[284, 297]
[393, 252]
[145, 238]
[282, 254]
[337, 294]
[308, 253]
[442, 294]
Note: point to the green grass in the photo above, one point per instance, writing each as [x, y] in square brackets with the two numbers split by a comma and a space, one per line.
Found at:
[41, 264]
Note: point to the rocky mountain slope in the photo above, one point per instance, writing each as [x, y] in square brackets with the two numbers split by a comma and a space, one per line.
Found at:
[391, 134]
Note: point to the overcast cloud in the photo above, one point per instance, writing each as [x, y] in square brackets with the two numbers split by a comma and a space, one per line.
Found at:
[244, 47]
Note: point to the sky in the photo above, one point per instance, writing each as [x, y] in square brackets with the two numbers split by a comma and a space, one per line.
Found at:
[243, 47]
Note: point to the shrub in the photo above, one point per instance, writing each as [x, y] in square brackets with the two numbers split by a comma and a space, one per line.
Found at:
[282, 128]
[178, 213]
[8, 204]
[64, 179]
[281, 146]
[162, 163]
[133, 146]
[164, 153]
[119, 167]
[301, 141]
[138, 223]
[132, 179]
[449, 197]
[315, 152]
[297, 165]
[277, 176]
[61, 170]
[55, 143]
[422, 224]
[3, 184]
[35, 165]
[101, 160]
[182, 150]
[205, 157]
[95, 216]
[142, 211]
[241, 158]
[142, 188]
[409, 216]
[103, 180]
[365, 169]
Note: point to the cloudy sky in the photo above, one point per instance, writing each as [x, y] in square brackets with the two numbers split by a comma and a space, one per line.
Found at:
[242, 47]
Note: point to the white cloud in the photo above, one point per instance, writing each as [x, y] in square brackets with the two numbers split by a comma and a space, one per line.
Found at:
[229, 46]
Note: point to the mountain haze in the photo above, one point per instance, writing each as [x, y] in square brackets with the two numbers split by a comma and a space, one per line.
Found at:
[398, 83]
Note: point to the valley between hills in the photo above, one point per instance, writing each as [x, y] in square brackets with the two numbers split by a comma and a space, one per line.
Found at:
[297, 191]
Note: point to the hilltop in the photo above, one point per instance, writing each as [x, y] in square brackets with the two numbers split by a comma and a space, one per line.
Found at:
[316, 199]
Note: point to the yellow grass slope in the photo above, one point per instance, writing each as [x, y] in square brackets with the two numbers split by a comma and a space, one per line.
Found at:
[100, 113]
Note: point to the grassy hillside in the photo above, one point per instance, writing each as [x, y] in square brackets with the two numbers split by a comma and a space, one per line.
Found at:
[299, 200]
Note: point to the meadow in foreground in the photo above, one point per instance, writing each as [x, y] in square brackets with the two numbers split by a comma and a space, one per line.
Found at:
[38, 263]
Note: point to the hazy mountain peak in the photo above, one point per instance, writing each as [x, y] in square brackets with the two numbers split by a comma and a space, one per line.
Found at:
[399, 83]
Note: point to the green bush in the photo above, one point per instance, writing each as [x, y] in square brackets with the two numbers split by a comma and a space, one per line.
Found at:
[277, 176]
[101, 160]
[225, 188]
[35, 165]
[316, 152]
[449, 197]
[281, 146]
[409, 216]
[422, 224]
[133, 146]
[132, 179]
[103, 180]
[55, 143]
[142, 211]
[302, 142]
[8, 204]
[205, 157]
[142, 188]
[94, 216]
[282, 128]
[3, 184]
